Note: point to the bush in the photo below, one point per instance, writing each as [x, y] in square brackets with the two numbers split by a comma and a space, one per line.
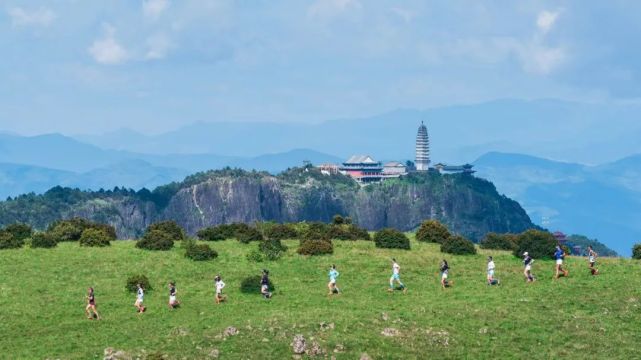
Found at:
[248, 235]
[19, 231]
[338, 220]
[540, 244]
[43, 240]
[95, 237]
[433, 231]
[134, 280]
[272, 249]
[212, 233]
[458, 245]
[108, 230]
[339, 232]
[7, 241]
[169, 227]
[636, 252]
[391, 239]
[200, 252]
[496, 241]
[251, 285]
[315, 247]
[280, 232]
[316, 231]
[156, 240]
[358, 233]
[66, 231]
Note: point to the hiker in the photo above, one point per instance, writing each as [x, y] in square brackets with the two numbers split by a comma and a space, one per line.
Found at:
[264, 285]
[559, 255]
[490, 272]
[396, 276]
[333, 275]
[173, 302]
[445, 268]
[527, 261]
[90, 310]
[219, 289]
[592, 255]
[140, 294]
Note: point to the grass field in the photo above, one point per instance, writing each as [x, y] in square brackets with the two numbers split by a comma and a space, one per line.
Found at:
[42, 305]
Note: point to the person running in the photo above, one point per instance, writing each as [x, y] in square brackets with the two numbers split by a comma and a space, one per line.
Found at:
[445, 268]
[220, 285]
[333, 275]
[559, 255]
[396, 276]
[173, 302]
[527, 262]
[140, 295]
[592, 255]
[264, 285]
[490, 272]
[90, 310]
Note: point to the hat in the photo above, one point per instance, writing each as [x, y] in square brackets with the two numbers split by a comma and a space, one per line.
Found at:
[526, 253]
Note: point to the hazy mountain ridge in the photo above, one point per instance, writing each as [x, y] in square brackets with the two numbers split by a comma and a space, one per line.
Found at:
[602, 202]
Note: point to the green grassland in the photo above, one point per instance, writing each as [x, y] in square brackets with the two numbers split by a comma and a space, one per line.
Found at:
[42, 305]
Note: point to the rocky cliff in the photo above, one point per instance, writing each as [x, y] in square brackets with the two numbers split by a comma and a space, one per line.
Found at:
[468, 205]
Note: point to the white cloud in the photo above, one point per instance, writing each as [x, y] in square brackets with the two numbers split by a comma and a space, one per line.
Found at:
[546, 20]
[157, 47]
[39, 17]
[152, 9]
[331, 8]
[107, 50]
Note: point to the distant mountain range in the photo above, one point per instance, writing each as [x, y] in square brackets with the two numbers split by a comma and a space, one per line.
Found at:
[603, 202]
[569, 131]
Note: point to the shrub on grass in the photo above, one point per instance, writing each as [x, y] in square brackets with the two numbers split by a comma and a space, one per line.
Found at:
[494, 241]
[43, 240]
[433, 231]
[156, 240]
[19, 231]
[66, 231]
[272, 249]
[338, 220]
[248, 235]
[169, 227]
[7, 241]
[107, 229]
[134, 280]
[280, 232]
[391, 239]
[316, 231]
[458, 245]
[251, 285]
[539, 244]
[95, 238]
[636, 252]
[315, 247]
[200, 252]
[212, 233]
[358, 233]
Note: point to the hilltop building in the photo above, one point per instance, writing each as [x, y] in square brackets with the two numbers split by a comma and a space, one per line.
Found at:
[454, 169]
[328, 169]
[422, 162]
[394, 169]
[363, 168]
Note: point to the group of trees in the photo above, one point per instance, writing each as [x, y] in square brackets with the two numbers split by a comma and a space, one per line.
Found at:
[83, 231]
[315, 238]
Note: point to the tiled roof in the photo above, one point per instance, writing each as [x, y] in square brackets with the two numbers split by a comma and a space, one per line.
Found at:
[361, 159]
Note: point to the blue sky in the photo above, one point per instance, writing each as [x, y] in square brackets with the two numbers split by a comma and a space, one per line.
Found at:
[75, 66]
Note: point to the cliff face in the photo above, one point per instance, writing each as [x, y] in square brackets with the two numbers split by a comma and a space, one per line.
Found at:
[468, 205]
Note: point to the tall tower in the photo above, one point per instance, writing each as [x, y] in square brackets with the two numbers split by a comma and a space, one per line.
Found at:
[422, 149]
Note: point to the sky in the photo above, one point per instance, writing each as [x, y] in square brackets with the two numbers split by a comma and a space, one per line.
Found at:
[77, 66]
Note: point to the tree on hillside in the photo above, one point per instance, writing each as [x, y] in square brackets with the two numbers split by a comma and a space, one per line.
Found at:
[540, 244]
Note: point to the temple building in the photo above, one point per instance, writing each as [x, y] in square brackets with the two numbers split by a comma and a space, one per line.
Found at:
[422, 149]
[363, 168]
[454, 169]
[394, 169]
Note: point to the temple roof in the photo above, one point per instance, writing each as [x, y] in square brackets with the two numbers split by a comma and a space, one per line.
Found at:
[394, 164]
[361, 159]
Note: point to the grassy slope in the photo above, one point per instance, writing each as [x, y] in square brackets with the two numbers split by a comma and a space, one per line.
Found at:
[42, 303]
